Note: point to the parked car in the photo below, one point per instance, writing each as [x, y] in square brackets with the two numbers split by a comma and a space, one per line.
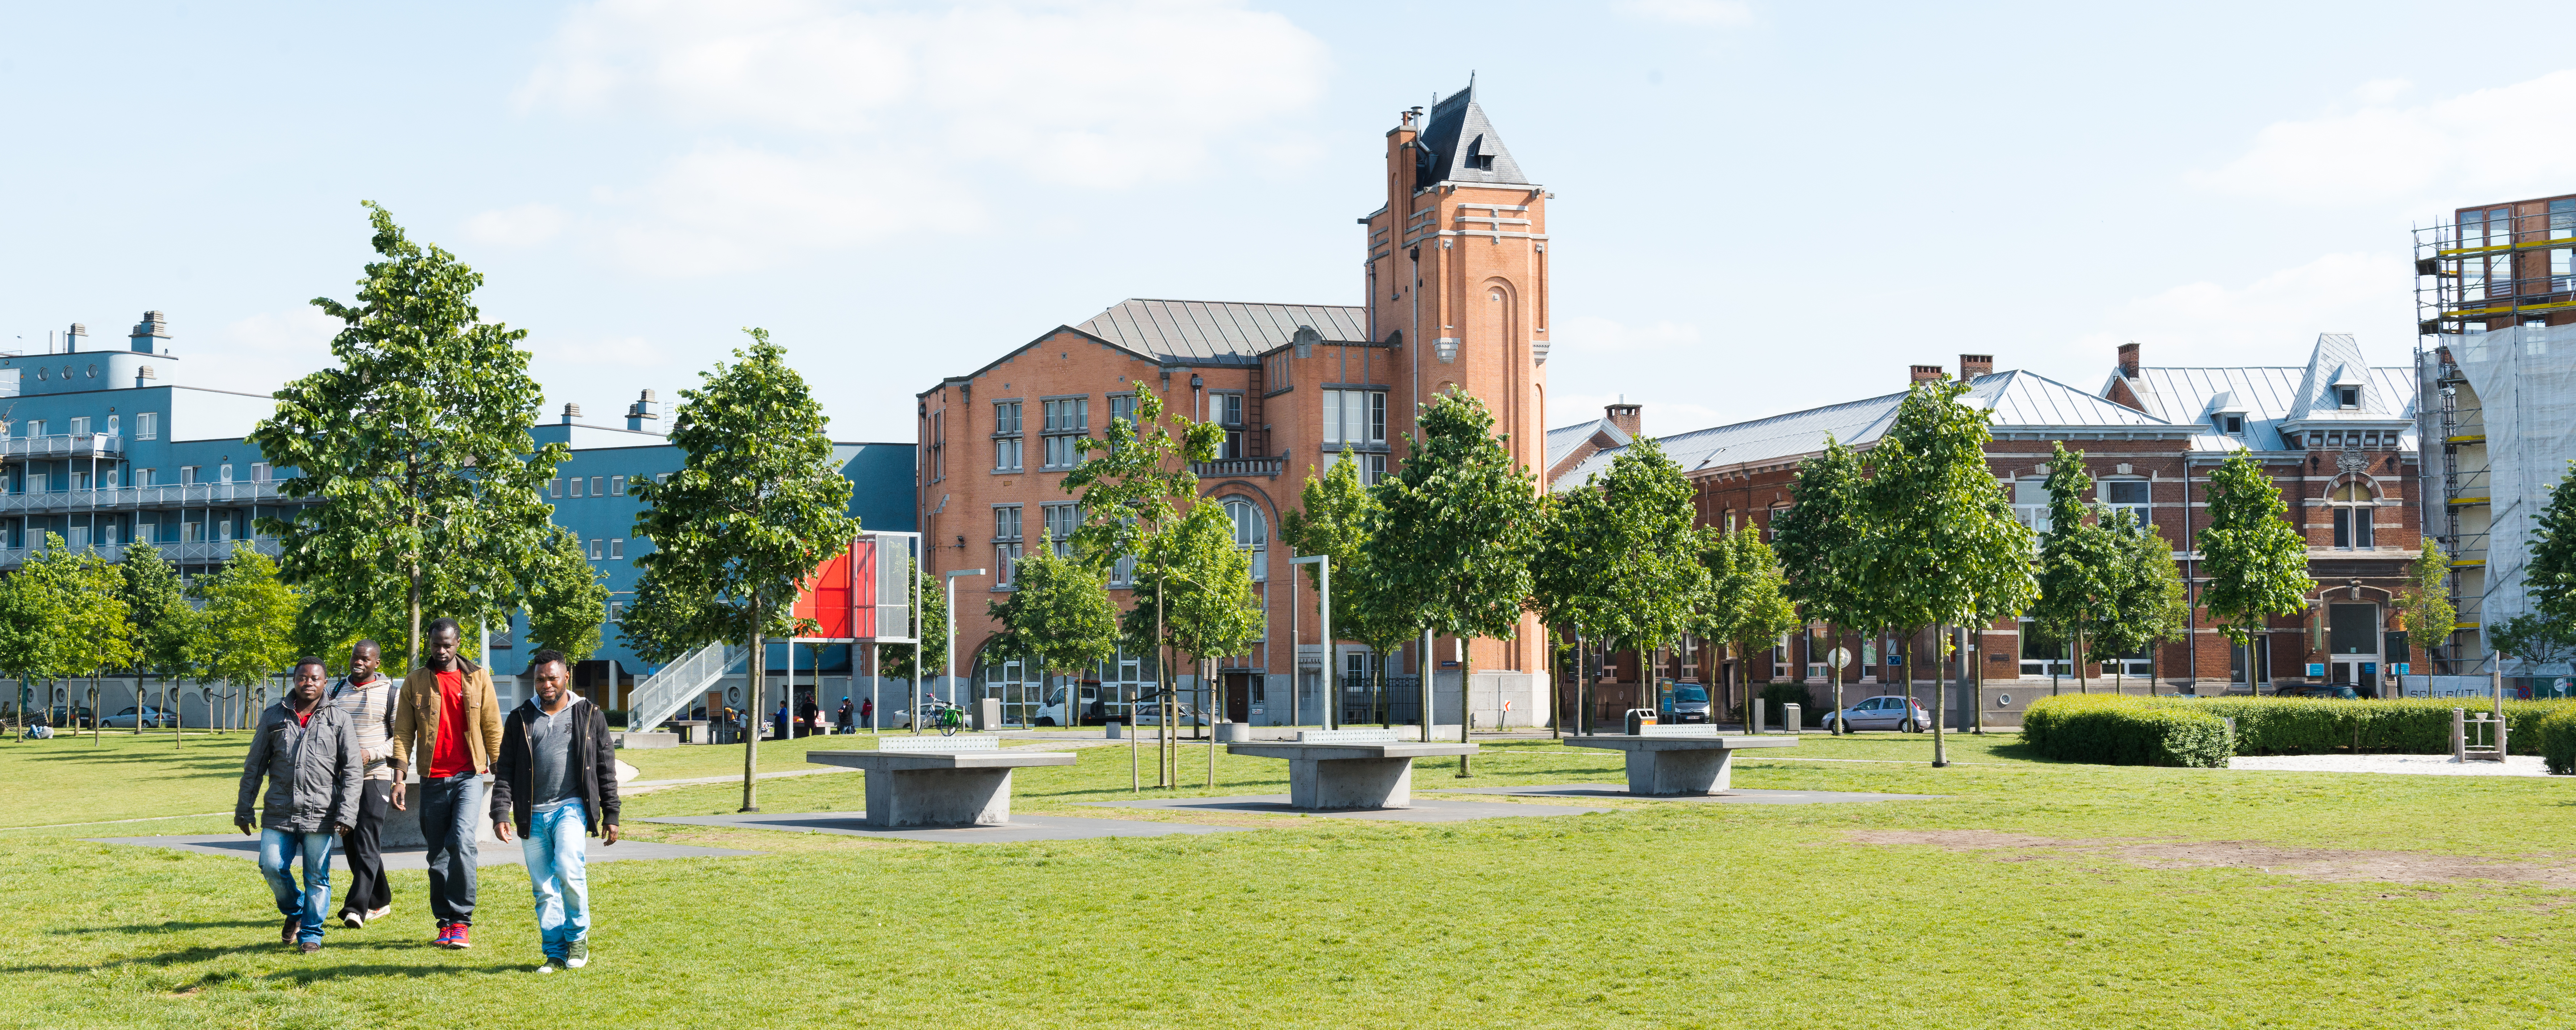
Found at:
[2340, 691]
[1688, 702]
[65, 717]
[1885, 712]
[1150, 713]
[153, 718]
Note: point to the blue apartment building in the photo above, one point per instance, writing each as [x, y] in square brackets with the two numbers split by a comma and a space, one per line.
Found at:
[105, 445]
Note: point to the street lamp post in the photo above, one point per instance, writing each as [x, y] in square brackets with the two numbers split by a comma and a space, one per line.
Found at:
[952, 641]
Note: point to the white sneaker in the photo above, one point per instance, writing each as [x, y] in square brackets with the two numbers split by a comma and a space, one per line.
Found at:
[380, 913]
[546, 966]
[579, 955]
[353, 920]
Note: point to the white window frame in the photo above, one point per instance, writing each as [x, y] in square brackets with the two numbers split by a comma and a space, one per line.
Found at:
[616, 548]
[595, 548]
[2144, 511]
[147, 425]
[1010, 447]
[79, 425]
[616, 486]
[580, 484]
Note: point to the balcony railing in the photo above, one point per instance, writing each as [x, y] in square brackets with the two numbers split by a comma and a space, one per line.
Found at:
[60, 445]
[1270, 467]
[186, 552]
[130, 498]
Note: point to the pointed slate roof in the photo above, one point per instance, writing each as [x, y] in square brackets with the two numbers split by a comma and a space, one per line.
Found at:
[1458, 145]
[2337, 361]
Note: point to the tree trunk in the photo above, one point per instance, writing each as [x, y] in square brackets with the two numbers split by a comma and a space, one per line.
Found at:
[1834, 674]
[1940, 711]
[757, 671]
[1466, 682]
[1977, 687]
[1163, 694]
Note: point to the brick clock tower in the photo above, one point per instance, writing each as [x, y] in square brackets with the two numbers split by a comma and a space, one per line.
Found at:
[1457, 272]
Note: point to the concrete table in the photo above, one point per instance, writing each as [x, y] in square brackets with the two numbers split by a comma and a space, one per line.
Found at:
[1679, 761]
[1341, 769]
[963, 780]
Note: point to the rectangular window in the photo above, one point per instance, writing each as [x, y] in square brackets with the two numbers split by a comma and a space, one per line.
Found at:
[554, 487]
[616, 486]
[1006, 522]
[2343, 527]
[578, 485]
[595, 548]
[1061, 453]
[1354, 417]
[617, 549]
[147, 477]
[1061, 521]
[1007, 441]
[147, 426]
[188, 474]
[1067, 419]
[1371, 467]
[259, 472]
[35, 427]
[2128, 495]
[1122, 407]
[599, 486]
[80, 425]
[1226, 409]
[2030, 503]
[1006, 559]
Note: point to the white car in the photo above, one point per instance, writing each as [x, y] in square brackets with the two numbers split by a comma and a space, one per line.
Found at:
[1885, 712]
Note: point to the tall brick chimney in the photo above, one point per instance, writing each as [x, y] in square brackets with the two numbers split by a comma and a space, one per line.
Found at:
[1927, 373]
[1974, 365]
[2128, 361]
[1625, 416]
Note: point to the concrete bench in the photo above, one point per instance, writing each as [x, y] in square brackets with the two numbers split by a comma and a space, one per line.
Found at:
[963, 780]
[1334, 769]
[1679, 761]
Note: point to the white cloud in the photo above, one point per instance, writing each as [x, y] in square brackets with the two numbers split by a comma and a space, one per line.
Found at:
[725, 208]
[2492, 143]
[1705, 13]
[526, 225]
[2271, 321]
[2381, 91]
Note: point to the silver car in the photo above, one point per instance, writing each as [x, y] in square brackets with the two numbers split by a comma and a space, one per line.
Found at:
[1885, 712]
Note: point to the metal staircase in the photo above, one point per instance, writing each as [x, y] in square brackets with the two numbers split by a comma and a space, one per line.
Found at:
[665, 693]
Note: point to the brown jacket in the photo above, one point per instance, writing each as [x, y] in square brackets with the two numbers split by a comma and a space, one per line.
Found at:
[416, 717]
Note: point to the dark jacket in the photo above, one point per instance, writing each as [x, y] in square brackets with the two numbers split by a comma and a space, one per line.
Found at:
[416, 719]
[514, 769]
[312, 769]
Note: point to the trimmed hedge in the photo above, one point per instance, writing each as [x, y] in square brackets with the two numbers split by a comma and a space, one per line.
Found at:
[2116, 730]
[2113, 729]
[1777, 695]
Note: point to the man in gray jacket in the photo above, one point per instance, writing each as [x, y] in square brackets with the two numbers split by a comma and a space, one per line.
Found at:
[368, 700]
[309, 756]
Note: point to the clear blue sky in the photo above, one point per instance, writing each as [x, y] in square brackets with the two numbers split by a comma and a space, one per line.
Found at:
[1760, 206]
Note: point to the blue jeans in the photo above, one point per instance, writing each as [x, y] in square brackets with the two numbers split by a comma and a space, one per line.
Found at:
[552, 849]
[448, 810]
[278, 850]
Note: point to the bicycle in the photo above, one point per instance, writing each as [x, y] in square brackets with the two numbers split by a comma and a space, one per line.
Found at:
[944, 717]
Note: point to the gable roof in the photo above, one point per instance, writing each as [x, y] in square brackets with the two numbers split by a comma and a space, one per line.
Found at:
[1218, 332]
[1562, 441]
[1455, 139]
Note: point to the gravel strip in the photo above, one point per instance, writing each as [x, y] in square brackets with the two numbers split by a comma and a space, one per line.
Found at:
[2412, 765]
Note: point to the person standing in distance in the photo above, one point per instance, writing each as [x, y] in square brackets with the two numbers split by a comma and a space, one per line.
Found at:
[554, 783]
[367, 700]
[448, 716]
[305, 751]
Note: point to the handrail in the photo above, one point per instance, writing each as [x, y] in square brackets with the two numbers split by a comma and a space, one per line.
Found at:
[184, 551]
[60, 445]
[175, 495]
[666, 692]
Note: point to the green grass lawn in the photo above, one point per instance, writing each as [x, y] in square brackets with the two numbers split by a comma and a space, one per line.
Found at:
[2108, 910]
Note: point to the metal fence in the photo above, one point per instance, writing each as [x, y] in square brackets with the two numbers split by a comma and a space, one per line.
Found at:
[1398, 703]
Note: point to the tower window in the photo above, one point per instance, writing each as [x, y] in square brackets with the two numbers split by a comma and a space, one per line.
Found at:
[2348, 396]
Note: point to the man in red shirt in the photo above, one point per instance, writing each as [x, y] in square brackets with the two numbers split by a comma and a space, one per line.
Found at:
[448, 711]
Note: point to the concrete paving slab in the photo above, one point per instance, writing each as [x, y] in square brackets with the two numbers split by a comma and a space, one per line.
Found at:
[415, 859]
[1440, 810]
[1020, 828]
[1735, 796]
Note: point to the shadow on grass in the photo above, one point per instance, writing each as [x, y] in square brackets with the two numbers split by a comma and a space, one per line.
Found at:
[211, 924]
[189, 956]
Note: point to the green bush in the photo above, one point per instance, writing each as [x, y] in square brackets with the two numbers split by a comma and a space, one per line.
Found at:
[2555, 735]
[2405, 726]
[2117, 730]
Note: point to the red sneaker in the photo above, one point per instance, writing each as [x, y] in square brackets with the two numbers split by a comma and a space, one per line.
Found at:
[446, 932]
[457, 936]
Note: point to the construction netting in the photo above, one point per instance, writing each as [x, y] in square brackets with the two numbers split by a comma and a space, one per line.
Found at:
[2525, 379]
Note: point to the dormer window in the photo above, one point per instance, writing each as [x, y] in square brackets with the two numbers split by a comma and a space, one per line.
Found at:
[2231, 424]
[2348, 396]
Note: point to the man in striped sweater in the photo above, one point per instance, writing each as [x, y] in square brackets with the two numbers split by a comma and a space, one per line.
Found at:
[367, 700]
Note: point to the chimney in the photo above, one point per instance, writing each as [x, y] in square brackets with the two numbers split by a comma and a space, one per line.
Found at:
[1927, 374]
[1625, 416]
[148, 333]
[2128, 361]
[571, 412]
[1973, 365]
[72, 340]
[642, 411]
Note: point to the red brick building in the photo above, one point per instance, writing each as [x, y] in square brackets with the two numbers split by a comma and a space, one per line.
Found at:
[1456, 285]
[2337, 436]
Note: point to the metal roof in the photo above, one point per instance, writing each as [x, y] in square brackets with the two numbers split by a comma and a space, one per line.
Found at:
[2022, 399]
[1563, 440]
[1219, 332]
[2268, 396]
[1455, 139]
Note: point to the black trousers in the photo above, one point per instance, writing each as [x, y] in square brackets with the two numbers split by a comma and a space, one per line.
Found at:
[365, 849]
[448, 810]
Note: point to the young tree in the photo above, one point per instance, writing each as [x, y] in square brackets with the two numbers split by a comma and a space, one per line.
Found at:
[2080, 561]
[1749, 601]
[1568, 589]
[2147, 606]
[94, 630]
[1455, 533]
[1633, 571]
[32, 609]
[1943, 549]
[418, 444]
[2424, 609]
[567, 597]
[1059, 616]
[162, 622]
[758, 505]
[247, 622]
[2538, 638]
[2257, 562]
[1818, 542]
[1334, 522]
[2550, 575]
[1207, 607]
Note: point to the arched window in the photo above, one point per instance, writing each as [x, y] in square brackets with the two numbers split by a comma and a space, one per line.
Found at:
[2353, 506]
[1251, 532]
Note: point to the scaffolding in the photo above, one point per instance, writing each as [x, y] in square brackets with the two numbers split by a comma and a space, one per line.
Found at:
[2496, 369]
